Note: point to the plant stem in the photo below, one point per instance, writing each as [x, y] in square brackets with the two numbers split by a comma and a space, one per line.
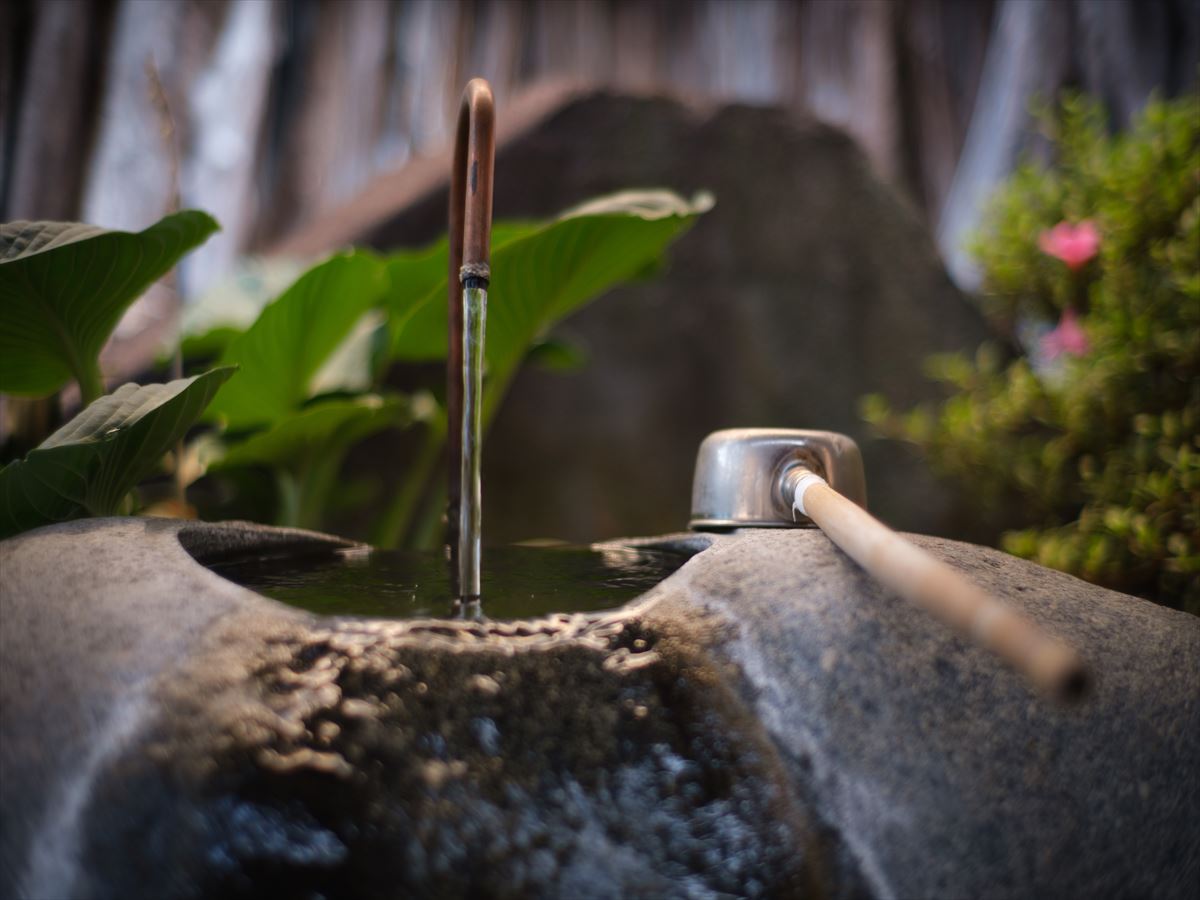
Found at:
[288, 513]
[91, 382]
[423, 534]
[180, 449]
[495, 389]
[396, 519]
[316, 483]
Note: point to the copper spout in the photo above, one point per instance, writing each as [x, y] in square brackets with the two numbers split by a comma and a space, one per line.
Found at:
[470, 242]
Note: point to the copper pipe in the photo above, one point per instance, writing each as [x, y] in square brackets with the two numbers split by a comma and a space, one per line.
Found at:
[470, 243]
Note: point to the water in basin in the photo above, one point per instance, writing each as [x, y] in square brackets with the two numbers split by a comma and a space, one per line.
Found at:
[520, 582]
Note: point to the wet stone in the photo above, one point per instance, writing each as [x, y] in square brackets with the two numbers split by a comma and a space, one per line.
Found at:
[582, 777]
[766, 722]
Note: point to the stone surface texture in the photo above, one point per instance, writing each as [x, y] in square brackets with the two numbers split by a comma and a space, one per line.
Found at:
[808, 285]
[766, 722]
[942, 771]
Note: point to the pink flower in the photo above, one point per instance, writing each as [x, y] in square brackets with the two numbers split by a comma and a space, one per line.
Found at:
[1068, 337]
[1073, 244]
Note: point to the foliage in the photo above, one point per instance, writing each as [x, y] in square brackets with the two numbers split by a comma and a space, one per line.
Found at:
[306, 449]
[314, 362]
[88, 466]
[541, 272]
[1093, 432]
[282, 352]
[64, 287]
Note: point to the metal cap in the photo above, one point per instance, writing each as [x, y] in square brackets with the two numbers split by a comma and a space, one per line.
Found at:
[740, 475]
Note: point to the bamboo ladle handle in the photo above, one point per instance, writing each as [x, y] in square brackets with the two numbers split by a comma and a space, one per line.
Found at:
[934, 586]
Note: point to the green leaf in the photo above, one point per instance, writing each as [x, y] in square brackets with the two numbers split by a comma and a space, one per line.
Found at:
[282, 352]
[207, 344]
[231, 305]
[349, 368]
[412, 275]
[307, 449]
[339, 420]
[557, 355]
[415, 274]
[540, 275]
[64, 287]
[90, 464]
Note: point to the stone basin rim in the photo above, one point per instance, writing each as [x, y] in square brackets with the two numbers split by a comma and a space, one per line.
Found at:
[203, 544]
[110, 636]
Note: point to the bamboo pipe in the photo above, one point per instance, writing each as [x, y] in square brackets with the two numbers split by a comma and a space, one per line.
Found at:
[935, 587]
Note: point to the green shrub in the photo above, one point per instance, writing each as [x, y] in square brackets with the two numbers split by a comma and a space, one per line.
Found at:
[1091, 431]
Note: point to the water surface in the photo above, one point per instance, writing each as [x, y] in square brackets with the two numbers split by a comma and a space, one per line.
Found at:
[518, 582]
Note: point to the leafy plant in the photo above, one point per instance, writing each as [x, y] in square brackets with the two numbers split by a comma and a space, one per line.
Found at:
[88, 466]
[1092, 432]
[306, 449]
[314, 363]
[285, 348]
[540, 275]
[64, 287]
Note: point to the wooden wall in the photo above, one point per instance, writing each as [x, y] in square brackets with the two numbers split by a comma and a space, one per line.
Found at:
[281, 109]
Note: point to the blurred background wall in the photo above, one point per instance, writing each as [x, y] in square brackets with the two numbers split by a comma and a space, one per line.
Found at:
[849, 143]
[285, 108]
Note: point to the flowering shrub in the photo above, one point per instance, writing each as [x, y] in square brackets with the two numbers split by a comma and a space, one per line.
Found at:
[1068, 337]
[1073, 244]
[1089, 435]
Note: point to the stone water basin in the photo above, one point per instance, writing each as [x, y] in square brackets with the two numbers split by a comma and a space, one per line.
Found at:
[766, 721]
[524, 581]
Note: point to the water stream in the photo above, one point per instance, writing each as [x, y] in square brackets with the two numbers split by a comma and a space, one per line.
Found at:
[474, 299]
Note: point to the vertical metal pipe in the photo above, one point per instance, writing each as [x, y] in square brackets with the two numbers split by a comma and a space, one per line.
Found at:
[470, 240]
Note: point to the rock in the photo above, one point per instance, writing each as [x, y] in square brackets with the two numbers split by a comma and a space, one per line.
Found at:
[766, 722]
[92, 613]
[938, 767]
[810, 284]
[246, 749]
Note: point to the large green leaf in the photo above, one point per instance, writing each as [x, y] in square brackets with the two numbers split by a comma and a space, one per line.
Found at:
[64, 286]
[542, 274]
[232, 304]
[282, 352]
[415, 274]
[90, 464]
[555, 354]
[306, 450]
[313, 429]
